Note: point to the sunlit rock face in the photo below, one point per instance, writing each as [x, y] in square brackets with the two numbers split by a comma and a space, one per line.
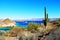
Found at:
[7, 22]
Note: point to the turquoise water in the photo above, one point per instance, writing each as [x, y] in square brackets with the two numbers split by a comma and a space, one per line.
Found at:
[5, 28]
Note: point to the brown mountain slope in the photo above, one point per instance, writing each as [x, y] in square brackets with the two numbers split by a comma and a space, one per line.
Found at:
[7, 22]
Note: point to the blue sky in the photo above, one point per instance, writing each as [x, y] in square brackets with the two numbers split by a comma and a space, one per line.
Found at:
[28, 9]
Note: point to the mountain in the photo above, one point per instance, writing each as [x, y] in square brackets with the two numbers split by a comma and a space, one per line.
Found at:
[7, 22]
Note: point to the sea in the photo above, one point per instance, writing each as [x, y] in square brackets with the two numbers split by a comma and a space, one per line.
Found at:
[21, 24]
[25, 23]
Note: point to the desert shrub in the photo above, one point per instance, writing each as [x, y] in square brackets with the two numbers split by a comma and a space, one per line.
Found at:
[32, 26]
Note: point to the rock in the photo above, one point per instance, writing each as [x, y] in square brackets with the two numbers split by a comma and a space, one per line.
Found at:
[7, 22]
[34, 37]
[22, 38]
[55, 35]
[2, 38]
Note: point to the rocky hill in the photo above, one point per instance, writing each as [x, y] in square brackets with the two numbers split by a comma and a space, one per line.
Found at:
[7, 22]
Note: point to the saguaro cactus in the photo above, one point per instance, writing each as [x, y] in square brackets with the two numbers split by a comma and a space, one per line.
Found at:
[46, 17]
[45, 12]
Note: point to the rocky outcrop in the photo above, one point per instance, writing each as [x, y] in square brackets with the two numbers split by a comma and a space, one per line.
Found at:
[7, 22]
[54, 35]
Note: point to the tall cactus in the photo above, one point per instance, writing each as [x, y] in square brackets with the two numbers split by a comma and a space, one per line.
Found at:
[45, 12]
[46, 17]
